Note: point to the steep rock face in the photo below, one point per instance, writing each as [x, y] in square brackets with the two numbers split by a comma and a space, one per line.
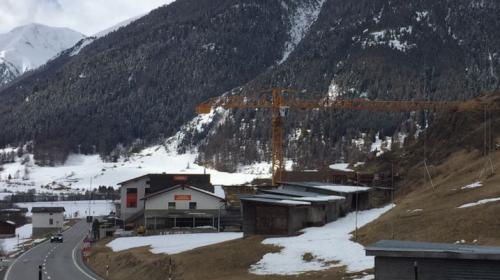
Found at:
[371, 49]
[144, 80]
[27, 47]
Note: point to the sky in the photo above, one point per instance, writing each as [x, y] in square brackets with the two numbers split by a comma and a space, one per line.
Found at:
[85, 16]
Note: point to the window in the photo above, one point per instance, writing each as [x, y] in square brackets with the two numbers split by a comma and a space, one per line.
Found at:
[192, 205]
[51, 221]
[171, 205]
[132, 198]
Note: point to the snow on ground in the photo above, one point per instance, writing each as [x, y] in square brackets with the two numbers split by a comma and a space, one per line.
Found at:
[173, 243]
[10, 244]
[480, 202]
[75, 209]
[328, 244]
[472, 186]
[80, 172]
[341, 167]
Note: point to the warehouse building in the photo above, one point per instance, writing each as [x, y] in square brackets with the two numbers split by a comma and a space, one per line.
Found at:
[134, 190]
[405, 260]
[356, 197]
[47, 220]
[286, 212]
[182, 206]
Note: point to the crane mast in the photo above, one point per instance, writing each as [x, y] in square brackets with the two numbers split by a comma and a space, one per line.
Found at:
[279, 103]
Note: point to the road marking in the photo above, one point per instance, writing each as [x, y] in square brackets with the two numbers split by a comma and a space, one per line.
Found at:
[76, 264]
[6, 276]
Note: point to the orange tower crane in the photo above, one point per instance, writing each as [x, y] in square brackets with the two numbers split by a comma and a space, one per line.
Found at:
[281, 100]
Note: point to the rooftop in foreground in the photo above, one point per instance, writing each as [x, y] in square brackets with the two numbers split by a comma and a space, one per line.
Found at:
[411, 249]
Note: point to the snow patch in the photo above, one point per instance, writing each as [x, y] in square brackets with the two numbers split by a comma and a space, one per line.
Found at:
[472, 186]
[300, 22]
[328, 244]
[172, 244]
[74, 209]
[480, 202]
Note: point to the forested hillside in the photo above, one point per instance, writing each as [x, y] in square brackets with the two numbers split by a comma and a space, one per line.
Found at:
[427, 50]
[139, 85]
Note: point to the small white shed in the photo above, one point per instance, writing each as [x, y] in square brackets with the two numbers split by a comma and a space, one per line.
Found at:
[47, 220]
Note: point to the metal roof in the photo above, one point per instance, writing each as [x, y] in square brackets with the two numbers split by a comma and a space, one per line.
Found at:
[319, 198]
[47, 210]
[405, 249]
[285, 202]
[290, 192]
[329, 187]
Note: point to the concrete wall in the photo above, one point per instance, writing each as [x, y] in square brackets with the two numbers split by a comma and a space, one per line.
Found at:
[42, 220]
[387, 268]
[141, 186]
[203, 201]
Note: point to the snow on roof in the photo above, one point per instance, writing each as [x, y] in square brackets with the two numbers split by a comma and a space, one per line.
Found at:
[11, 222]
[329, 187]
[341, 167]
[275, 201]
[320, 198]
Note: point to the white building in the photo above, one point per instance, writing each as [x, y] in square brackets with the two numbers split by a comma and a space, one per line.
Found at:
[47, 220]
[133, 191]
[182, 206]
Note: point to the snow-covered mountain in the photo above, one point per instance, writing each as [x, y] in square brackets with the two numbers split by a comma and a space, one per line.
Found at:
[27, 47]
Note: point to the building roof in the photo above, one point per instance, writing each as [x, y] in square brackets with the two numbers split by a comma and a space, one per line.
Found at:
[405, 249]
[10, 223]
[180, 186]
[318, 198]
[285, 202]
[47, 210]
[160, 174]
[329, 187]
[290, 192]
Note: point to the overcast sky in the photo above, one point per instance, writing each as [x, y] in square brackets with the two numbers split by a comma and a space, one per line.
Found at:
[85, 16]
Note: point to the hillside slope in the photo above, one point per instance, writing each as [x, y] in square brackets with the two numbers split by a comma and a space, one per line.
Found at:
[427, 50]
[140, 84]
[144, 80]
[462, 201]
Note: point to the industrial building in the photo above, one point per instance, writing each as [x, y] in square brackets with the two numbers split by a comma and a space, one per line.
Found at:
[284, 212]
[133, 191]
[405, 260]
[182, 206]
[356, 197]
[47, 220]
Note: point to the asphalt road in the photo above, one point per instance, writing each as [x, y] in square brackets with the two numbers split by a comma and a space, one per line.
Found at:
[60, 261]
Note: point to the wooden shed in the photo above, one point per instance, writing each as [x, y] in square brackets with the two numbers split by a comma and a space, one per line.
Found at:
[285, 214]
[266, 216]
[407, 260]
[7, 229]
